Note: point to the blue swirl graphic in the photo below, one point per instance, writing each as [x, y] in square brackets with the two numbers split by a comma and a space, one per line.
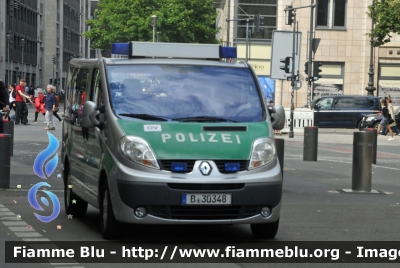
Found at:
[32, 201]
[39, 164]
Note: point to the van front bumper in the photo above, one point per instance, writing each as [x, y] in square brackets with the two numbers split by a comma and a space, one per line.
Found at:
[162, 200]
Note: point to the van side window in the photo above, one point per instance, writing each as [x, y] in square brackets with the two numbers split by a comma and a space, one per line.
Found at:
[79, 95]
[96, 97]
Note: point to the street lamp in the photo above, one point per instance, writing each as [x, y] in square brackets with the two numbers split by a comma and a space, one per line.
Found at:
[370, 88]
[154, 21]
[23, 46]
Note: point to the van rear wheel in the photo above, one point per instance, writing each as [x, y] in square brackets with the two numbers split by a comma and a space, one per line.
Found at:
[74, 205]
[109, 225]
[265, 230]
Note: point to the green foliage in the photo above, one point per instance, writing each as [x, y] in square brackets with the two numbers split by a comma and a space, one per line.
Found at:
[387, 20]
[178, 21]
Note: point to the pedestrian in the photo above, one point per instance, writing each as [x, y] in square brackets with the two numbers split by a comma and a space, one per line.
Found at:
[4, 103]
[11, 99]
[50, 104]
[391, 112]
[21, 109]
[39, 104]
[385, 119]
[57, 108]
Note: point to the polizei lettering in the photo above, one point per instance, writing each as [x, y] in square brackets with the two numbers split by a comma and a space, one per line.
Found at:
[201, 137]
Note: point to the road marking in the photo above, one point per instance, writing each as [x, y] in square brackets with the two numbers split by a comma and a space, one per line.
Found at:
[29, 234]
[13, 223]
[35, 239]
[21, 229]
[14, 218]
[7, 213]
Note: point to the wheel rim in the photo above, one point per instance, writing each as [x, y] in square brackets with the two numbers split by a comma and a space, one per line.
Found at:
[105, 205]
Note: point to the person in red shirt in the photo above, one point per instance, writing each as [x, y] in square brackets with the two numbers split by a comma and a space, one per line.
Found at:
[21, 113]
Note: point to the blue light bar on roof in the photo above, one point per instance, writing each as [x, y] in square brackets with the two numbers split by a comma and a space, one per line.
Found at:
[172, 50]
[120, 49]
[227, 52]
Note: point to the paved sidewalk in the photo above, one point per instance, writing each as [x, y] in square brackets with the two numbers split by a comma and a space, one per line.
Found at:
[337, 136]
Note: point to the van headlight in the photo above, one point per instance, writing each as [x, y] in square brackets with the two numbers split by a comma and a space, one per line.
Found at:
[139, 151]
[262, 153]
[369, 119]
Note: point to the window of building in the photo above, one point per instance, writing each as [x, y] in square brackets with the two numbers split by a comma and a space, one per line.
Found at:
[268, 18]
[331, 14]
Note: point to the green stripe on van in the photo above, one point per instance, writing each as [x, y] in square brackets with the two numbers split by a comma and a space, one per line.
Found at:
[175, 140]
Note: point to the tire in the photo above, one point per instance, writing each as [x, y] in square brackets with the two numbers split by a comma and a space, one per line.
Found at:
[265, 230]
[359, 125]
[74, 205]
[376, 125]
[109, 226]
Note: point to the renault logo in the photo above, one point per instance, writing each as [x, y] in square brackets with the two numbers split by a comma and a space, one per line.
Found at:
[205, 168]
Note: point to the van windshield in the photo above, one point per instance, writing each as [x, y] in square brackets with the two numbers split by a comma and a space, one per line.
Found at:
[184, 93]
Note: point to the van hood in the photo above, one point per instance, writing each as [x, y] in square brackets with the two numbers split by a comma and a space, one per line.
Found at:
[177, 140]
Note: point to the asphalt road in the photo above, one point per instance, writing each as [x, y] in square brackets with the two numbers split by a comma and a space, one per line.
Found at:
[315, 206]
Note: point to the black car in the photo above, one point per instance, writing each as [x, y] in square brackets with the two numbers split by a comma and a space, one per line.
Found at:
[373, 120]
[344, 111]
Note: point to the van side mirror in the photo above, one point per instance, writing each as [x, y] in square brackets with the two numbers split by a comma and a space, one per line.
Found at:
[277, 117]
[89, 114]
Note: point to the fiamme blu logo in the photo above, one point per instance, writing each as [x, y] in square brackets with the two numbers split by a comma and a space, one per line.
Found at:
[43, 167]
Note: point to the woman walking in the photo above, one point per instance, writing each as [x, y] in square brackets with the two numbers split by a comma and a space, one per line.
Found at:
[50, 107]
[385, 119]
[391, 112]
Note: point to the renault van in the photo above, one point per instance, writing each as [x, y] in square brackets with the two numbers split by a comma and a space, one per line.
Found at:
[166, 133]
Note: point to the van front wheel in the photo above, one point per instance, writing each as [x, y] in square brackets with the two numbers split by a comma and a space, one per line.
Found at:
[265, 230]
[109, 225]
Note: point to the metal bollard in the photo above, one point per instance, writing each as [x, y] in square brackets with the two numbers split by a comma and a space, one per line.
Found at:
[5, 160]
[9, 129]
[310, 148]
[374, 143]
[280, 151]
[362, 161]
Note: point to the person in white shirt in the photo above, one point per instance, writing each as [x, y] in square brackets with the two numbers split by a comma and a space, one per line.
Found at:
[11, 100]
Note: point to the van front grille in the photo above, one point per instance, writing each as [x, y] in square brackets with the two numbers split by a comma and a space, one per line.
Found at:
[166, 164]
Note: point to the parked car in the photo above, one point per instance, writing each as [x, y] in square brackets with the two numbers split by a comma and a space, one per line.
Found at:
[343, 111]
[373, 120]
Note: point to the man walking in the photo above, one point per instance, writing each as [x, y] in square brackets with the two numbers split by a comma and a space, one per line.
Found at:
[4, 103]
[21, 112]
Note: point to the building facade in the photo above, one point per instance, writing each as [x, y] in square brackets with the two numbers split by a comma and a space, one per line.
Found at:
[340, 45]
[39, 37]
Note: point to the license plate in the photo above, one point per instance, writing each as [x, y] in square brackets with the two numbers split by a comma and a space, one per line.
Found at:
[206, 199]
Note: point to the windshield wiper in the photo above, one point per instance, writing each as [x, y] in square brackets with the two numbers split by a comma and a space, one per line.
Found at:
[204, 118]
[145, 116]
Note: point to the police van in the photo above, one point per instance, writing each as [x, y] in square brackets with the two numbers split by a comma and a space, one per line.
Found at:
[164, 133]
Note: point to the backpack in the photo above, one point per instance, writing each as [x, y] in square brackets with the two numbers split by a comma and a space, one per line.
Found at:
[14, 93]
[57, 101]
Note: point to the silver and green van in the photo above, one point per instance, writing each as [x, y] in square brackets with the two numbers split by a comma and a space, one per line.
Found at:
[164, 133]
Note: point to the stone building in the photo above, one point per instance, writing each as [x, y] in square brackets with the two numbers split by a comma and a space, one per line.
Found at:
[341, 46]
[39, 37]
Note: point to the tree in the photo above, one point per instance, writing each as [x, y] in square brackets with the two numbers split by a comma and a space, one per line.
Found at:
[387, 20]
[179, 21]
